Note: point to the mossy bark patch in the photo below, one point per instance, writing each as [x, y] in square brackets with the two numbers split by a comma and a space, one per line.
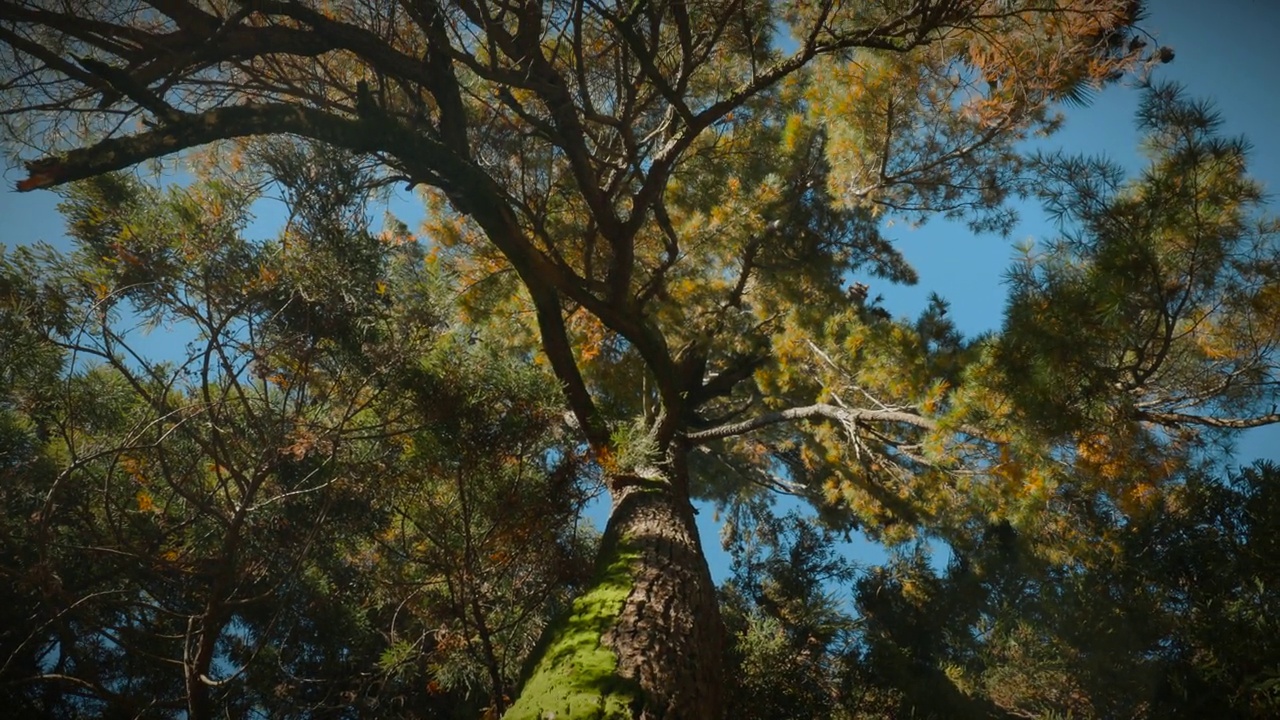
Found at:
[577, 676]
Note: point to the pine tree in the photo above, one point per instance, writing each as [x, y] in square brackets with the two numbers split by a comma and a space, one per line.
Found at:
[678, 190]
[330, 501]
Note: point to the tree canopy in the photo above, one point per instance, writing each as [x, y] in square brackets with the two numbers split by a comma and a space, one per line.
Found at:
[635, 274]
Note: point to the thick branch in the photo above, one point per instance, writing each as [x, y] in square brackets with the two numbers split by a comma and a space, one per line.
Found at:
[189, 131]
[443, 82]
[822, 411]
[470, 189]
[555, 343]
[185, 14]
[1173, 419]
[740, 368]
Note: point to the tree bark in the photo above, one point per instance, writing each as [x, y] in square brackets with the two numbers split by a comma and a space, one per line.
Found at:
[645, 641]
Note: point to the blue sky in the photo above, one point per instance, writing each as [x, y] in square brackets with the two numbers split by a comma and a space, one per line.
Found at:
[1227, 51]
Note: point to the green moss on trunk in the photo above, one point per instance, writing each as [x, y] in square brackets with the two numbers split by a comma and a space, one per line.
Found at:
[576, 677]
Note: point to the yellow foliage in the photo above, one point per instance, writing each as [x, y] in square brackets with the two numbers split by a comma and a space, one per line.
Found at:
[591, 335]
[1103, 455]
[133, 467]
[912, 592]
[935, 396]
[1094, 449]
[1139, 498]
[607, 460]
[831, 491]
[267, 275]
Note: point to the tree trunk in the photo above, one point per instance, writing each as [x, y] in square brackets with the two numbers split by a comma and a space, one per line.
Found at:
[645, 640]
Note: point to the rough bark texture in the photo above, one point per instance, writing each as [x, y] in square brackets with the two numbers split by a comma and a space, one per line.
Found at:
[646, 640]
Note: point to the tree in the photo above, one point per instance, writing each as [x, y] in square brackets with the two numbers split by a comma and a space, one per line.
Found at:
[1105, 532]
[681, 189]
[1175, 623]
[331, 504]
[790, 635]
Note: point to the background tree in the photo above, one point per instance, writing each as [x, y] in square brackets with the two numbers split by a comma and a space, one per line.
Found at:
[790, 630]
[1173, 623]
[254, 526]
[1092, 525]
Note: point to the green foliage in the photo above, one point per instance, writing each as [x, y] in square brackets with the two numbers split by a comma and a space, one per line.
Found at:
[1159, 301]
[323, 507]
[354, 491]
[1183, 607]
[1177, 621]
[636, 449]
[1063, 461]
[790, 632]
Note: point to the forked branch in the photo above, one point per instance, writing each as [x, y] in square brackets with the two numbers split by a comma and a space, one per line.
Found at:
[823, 411]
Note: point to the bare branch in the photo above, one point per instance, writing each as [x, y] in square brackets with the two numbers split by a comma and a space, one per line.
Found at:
[1174, 419]
[822, 411]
